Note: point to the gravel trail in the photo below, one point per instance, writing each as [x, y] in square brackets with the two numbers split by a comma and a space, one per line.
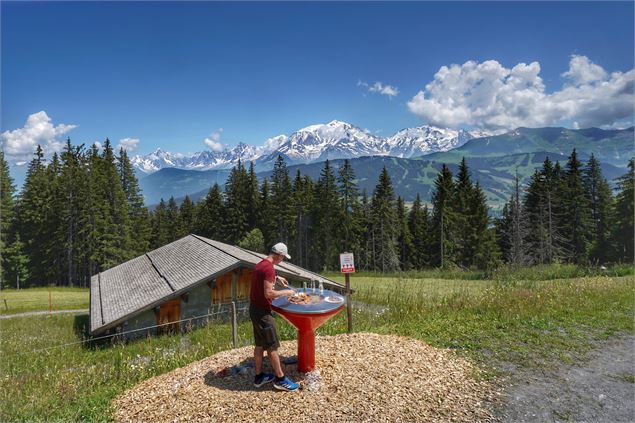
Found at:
[599, 389]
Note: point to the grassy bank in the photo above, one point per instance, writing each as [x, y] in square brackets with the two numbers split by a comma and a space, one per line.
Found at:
[518, 318]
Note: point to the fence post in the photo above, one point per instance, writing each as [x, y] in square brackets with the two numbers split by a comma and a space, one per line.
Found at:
[349, 310]
[234, 325]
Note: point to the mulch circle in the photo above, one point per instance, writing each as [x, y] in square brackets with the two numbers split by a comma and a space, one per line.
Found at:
[362, 377]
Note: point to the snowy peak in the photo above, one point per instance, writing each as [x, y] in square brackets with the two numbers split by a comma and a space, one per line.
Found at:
[333, 140]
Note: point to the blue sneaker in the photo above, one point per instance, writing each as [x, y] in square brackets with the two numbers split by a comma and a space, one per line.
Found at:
[263, 379]
[286, 384]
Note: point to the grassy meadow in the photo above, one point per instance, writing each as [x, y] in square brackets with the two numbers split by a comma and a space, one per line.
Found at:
[14, 301]
[527, 317]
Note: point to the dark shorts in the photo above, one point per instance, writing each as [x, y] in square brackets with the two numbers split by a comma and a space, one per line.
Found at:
[264, 324]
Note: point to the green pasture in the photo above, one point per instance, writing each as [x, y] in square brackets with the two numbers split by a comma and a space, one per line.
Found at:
[14, 301]
[527, 317]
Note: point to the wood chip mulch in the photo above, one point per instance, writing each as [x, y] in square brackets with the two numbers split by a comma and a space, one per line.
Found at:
[362, 377]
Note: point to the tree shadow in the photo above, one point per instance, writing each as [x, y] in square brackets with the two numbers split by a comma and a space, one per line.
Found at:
[240, 376]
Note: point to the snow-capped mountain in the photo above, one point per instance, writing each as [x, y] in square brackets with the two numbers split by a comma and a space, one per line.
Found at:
[334, 140]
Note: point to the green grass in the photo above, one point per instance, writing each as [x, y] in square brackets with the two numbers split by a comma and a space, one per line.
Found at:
[37, 299]
[516, 317]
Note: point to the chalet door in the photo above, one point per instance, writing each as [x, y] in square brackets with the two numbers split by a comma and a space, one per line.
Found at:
[170, 311]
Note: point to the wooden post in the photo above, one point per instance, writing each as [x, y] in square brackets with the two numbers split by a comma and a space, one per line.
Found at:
[349, 310]
[234, 317]
[50, 303]
[234, 325]
[6, 307]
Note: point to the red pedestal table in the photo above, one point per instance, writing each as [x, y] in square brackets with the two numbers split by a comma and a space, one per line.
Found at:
[307, 318]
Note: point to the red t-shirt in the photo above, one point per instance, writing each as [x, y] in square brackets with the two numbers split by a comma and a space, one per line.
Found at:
[263, 271]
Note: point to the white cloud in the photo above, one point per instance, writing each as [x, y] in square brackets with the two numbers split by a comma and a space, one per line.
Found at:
[20, 144]
[380, 88]
[490, 96]
[128, 144]
[213, 141]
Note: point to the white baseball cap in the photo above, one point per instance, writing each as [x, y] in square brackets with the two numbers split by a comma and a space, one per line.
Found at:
[281, 249]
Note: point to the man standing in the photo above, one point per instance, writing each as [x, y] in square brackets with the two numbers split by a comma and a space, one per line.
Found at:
[262, 293]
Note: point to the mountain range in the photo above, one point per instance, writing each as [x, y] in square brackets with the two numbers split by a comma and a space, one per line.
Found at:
[493, 160]
[315, 143]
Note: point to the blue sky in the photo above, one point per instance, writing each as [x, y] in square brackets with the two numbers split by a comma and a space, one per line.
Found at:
[171, 75]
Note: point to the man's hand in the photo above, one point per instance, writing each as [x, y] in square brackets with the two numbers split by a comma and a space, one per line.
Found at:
[282, 281]
[289, 292]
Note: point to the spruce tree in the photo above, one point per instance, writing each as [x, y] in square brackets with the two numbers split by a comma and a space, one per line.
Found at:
[443, 226]
[175, 227]
[266, 220]
[187, 212]
[237, 200]
[384, 225]
[32, 218]
[623, 223]
[365, 260]
[7, 223]
[210, 214]
[327, 218]
[404, 237]
[600, 200]
[302, 198]
[483, 246]
[69, 207]
[160, 226]
[137, 212]
[511, 229]
[576, 213]
[418, 224]
[253, 198]
[281, 205]
[462, 205]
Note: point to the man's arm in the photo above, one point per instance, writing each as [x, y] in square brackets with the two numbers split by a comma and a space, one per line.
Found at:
[270, 293]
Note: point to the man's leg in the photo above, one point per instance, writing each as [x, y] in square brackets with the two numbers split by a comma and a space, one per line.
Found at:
[258, 356]
[274, 358]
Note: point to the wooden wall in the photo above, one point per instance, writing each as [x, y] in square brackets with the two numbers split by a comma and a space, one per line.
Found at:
[222, 293]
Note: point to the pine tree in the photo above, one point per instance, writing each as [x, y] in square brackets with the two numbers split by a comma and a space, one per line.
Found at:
[137, 212]
[443, 224]
[210, 214]
[576, 216]
[418, 223]
[600, 199]
[623, 226]
[384, 225]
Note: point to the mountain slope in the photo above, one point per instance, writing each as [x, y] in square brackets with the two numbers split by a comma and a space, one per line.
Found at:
[315, 143]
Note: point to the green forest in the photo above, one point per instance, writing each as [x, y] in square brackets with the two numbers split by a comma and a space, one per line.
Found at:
[82, 212]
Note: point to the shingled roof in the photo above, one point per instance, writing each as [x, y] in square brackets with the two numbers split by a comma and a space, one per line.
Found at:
[148, 280]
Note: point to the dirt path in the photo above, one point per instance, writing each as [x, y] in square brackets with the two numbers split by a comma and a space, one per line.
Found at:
[600, 389]
[39, 313]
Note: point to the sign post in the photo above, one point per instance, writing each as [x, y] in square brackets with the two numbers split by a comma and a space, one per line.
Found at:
[347, 266]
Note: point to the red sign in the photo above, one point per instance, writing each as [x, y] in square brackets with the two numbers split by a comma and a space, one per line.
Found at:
[347, 263]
